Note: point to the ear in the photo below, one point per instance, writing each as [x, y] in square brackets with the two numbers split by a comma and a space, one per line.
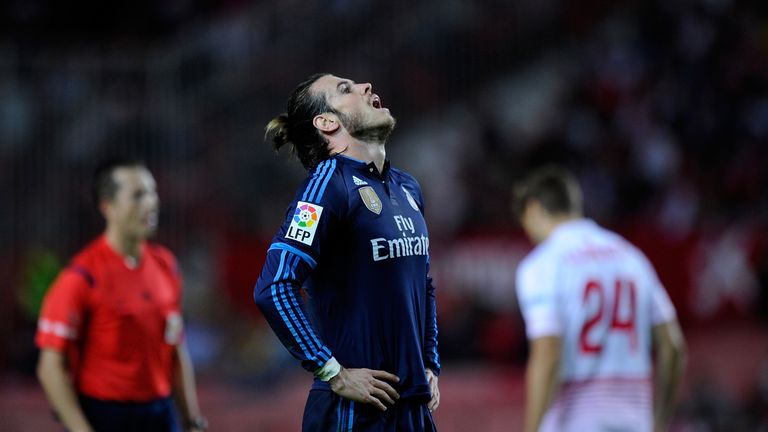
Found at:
[104, 208]
[326, 122]
[535, 208]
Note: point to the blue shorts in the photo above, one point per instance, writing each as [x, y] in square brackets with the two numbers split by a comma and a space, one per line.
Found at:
[155, 416]
[328, 412]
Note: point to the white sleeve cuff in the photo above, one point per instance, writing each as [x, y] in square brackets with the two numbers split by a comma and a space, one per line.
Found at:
[541, 322]
[330, 369]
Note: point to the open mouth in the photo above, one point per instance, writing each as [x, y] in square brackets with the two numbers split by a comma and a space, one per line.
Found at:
[150, 219]
[376, 102]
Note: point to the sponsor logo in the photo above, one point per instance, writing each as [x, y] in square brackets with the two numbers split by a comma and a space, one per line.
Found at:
[304, 222]
[411, 201]
[400, 247]
[370, 199]
[409, 244]
[359, 182]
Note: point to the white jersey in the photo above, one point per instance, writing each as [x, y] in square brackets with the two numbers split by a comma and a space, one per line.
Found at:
[601, 295]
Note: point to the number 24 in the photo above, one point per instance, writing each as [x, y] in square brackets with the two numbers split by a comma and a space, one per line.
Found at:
[618, 323]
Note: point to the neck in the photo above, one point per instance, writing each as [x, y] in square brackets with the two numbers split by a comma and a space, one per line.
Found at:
[555, 221]
[124, 245]
[363, 150]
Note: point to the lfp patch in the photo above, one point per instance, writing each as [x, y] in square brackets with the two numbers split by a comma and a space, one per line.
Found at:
[304, 223]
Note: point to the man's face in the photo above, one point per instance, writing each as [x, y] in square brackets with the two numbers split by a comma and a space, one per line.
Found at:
[360, 110]
[531, 220]
[134, 208]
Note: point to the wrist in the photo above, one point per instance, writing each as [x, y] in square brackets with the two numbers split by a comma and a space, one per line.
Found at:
[330, 370]
[337, 382]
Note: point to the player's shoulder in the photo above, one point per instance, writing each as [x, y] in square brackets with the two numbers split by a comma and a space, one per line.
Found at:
[161, 252]
[404, 177]
[409, 184]
[539, 258]
[622, 243]
[84, 267]
[324, 182]
[163, 255]
[535, 275]
[92, 255]
[629, 250]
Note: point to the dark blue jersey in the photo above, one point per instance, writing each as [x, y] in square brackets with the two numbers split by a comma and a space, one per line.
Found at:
[357, 241]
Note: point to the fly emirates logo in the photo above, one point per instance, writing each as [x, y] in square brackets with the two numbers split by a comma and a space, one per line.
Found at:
[408, 245]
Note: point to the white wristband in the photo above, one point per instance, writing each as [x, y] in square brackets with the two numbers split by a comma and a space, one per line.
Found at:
[330, 369]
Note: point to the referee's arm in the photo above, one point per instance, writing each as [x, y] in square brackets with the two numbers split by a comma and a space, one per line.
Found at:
[52, 373]
[185, 390]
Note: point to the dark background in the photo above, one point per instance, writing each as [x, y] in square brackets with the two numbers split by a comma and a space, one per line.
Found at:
[661, 109]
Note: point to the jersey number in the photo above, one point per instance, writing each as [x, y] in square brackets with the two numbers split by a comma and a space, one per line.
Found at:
[622, 319]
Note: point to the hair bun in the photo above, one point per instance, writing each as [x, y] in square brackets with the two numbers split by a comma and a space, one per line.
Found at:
[277, 129]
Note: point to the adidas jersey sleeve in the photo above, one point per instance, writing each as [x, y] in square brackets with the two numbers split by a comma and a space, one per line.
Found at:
[310, 222]
[431, 355]
[537, 297]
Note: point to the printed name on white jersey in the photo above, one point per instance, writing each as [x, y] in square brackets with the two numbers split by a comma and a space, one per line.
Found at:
[306, 218]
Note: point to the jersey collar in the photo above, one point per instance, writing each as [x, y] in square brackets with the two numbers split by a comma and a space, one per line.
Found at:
[122, 258]
[570, 226]
[367, 167]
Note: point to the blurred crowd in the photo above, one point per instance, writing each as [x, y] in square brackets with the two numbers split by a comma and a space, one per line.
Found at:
[661, 108]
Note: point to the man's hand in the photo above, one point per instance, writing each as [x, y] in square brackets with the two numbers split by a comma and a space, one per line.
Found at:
[366, 386]
[197, 424]
[435, 401]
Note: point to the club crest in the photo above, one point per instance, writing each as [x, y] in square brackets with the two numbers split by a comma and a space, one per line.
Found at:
[411, 201]
[370, 199]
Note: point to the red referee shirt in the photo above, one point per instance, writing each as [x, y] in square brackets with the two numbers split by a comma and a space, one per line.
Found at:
[118, 325]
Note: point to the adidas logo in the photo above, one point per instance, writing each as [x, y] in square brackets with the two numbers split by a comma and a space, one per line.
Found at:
[359, 182]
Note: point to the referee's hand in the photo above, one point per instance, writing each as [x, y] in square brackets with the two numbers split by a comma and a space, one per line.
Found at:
[366, 386]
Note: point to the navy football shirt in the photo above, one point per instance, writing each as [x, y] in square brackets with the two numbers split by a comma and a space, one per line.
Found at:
[357, 241]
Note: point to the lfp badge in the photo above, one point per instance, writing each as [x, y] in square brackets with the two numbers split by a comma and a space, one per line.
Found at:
[304, 223]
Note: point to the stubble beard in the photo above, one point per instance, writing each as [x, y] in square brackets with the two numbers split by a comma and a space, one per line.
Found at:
[378, 133]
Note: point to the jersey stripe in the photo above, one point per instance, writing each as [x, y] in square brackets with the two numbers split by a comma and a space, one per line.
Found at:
[325, 182]
[435, 356]
[295, 312]
[284, 246]
[351, 415]
[302, 337]
[317, 345]
[317, 178]
[295, 319]
[345, 415]
[321, 351]
[287, 322]
[279, 306]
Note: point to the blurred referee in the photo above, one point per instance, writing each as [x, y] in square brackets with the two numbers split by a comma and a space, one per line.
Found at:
[110, 329]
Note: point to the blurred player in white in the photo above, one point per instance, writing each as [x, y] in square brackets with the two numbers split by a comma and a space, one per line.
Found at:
[596, 315]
